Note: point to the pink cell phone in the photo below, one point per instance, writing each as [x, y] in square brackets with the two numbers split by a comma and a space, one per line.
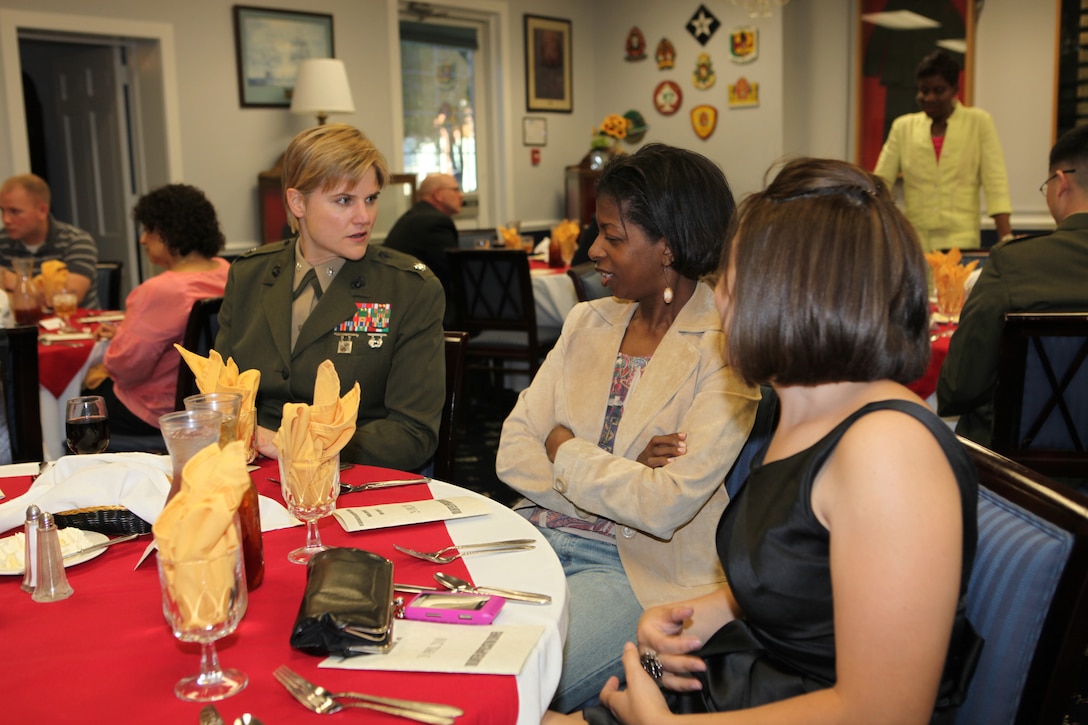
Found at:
[454, 608]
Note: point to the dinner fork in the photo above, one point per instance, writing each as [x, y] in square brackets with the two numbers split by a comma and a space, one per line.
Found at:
[432, 708]
[493, 547]
[323, 704]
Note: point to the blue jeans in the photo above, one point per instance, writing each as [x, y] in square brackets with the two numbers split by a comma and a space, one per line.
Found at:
[603, 616]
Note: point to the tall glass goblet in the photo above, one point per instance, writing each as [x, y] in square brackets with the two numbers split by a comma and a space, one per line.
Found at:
[310, 487]
[187, 432]
[86, 424]
[203, 600]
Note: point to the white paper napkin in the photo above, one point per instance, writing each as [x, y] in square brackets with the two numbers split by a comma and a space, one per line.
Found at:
[137, 481]
[542, 249]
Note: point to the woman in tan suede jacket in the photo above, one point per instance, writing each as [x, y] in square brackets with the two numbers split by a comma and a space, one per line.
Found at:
[623, 439]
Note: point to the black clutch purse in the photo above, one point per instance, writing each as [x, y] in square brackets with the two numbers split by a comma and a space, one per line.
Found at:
[348, 605]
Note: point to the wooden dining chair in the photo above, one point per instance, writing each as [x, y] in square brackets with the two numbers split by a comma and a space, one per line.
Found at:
[21, 402]
[587, 282]
[108, 281]
[200, 332]
[456, 344]
[1028, 595]
[1041, 395]
[493, 292]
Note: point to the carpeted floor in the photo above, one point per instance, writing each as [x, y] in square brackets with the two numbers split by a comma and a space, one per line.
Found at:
[478, 440]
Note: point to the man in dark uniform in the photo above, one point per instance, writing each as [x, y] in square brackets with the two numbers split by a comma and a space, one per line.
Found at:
[328, 295]
[1042, 273]
[427, 230]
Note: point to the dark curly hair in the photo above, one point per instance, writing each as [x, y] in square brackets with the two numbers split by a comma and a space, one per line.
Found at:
[183, 217]
[677, 195]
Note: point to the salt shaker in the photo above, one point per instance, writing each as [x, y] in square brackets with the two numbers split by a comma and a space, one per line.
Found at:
[30, 555]
[52, 583]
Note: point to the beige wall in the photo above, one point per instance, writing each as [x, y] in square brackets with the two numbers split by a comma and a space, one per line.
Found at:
[805, 72]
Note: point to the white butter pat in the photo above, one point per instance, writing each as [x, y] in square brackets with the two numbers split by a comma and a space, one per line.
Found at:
[13, 548]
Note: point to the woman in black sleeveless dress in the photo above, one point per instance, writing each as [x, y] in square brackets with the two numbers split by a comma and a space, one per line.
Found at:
[849, 549]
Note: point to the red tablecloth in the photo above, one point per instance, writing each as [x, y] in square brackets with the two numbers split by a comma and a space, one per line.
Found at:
[926, 385]
[106, 654]
[59, 362]
[536, 265]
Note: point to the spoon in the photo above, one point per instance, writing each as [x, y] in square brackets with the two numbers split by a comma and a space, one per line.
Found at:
[456, 584]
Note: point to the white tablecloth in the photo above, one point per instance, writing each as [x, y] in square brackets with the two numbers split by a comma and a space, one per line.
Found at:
[538, 570]
[53, 408]
[553, 293]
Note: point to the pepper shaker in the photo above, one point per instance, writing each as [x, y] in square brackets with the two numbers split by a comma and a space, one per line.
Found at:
[52, 583]
[30, 552]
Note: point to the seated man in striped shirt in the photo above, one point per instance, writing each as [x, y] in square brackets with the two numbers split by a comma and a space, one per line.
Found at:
[30, 230]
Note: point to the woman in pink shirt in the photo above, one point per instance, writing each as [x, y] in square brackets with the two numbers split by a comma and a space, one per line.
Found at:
[181, 234]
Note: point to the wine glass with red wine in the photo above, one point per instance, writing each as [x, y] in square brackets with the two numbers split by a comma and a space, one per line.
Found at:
[87, 425]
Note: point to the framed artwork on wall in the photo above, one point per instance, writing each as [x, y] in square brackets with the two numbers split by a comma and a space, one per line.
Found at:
[534, 131]
[895, 35]
[269, 45]
[548, 73]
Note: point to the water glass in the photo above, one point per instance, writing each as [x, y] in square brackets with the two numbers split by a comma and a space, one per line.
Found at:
[228, 404]
[187, 432]
[86, 424]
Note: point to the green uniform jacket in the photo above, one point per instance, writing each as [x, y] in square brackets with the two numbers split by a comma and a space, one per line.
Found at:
[402, 379]
[1046, 273]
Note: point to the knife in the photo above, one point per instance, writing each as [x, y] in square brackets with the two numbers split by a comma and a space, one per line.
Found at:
[414, 588]
[349, 488]
[100, 545]
[210, 716]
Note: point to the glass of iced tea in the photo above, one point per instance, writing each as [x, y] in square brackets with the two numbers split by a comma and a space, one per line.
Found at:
[229, 404]
[86, 424]
[64, 306]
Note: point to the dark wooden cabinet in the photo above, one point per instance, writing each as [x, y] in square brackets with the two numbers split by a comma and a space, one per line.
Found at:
[580, 183]
[274, 225]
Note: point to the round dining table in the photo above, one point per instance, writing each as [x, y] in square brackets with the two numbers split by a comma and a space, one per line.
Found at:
[106, 654]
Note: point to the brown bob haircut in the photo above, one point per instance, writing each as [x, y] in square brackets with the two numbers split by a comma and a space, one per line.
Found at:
[830, 283]
[323, 157]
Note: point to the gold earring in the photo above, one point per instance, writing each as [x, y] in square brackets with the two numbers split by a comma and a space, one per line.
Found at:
[668, 290]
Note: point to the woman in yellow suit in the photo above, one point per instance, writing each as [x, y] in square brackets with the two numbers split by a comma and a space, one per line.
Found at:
[945, 153]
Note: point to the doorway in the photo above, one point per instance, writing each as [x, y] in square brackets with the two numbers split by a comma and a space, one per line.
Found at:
[93, 103]
[79, 136]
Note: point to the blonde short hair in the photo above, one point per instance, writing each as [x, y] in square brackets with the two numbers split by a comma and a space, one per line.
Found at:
[323, 157]
[33, 184]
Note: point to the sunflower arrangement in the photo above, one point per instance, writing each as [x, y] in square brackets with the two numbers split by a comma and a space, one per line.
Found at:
[613, 129]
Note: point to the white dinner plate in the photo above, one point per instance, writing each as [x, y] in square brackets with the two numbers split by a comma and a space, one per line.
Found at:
[92, 538]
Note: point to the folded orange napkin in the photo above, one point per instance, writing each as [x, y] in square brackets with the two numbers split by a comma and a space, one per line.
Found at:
[53, 279]
[511, 237]
[310, 434]
[215, 376]
[566, 234]
[949, 277]
[195, 533]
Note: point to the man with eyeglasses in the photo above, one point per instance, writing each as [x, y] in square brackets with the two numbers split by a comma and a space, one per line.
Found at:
[427, 230]
[1039, 273]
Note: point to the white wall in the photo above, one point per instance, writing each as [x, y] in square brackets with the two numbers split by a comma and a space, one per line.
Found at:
[805, 73]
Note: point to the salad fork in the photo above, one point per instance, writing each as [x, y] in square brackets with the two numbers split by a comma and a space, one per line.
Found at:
[318, 699]
[467, 550]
